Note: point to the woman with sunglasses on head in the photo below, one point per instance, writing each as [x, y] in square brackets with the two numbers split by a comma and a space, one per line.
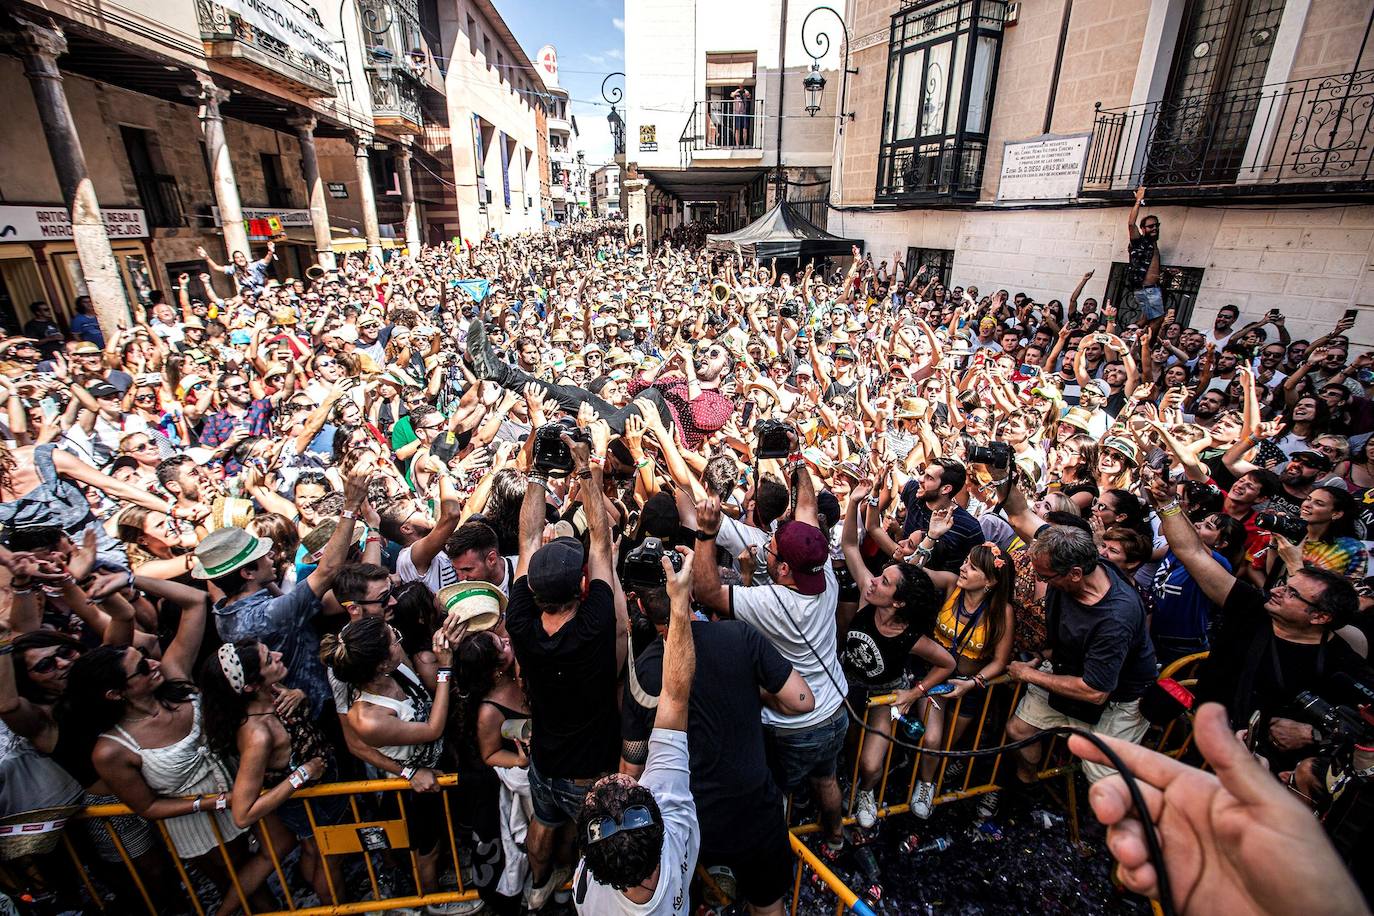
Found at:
[279, 750]
[393, 713]
[975, 624]
[142, 720]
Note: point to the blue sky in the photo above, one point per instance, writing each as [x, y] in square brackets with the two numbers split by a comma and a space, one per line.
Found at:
[590, 38]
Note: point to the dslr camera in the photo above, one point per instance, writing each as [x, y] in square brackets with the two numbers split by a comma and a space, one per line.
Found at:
[787, 310]
[994, 455]
[775, 439]
[1282, 524]
[551, 453]
[644, 566]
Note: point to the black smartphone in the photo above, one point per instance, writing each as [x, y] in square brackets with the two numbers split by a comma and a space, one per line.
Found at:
[1350, 314]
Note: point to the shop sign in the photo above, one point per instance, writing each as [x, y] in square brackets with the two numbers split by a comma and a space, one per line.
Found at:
[285, 218]
[648, 138]
[297, 26]
[1043, 168]
[338, 190]
[54, 223]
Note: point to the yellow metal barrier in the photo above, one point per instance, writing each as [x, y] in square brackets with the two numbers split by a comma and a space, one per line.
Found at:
[975, 776]
[848, 901]
[347, 839]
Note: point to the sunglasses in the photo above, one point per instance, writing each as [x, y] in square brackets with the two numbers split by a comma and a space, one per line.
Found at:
[635, 817]
[239, 387]
[48, 663]
[142, 669]
[142, 398]
[383, 598]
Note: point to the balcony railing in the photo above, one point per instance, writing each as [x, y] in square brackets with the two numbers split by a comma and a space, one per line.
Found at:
[227, 37]
[723, 125]
[161, 199]
[1301, 137]
[396, 100]
[950, 169]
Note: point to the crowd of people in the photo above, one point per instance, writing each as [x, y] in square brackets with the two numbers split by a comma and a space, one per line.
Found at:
[626, 535]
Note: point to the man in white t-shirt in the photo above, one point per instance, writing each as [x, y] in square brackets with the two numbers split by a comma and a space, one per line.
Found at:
[797, 615]
[639, 839]
[474, 555]
[423, 554]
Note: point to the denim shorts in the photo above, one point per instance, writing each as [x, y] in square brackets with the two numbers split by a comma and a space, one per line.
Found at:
[1151, 302]
[556, 801]
[806, 753]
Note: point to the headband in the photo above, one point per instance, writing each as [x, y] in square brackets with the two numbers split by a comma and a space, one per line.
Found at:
[997, 560]
[231, 666]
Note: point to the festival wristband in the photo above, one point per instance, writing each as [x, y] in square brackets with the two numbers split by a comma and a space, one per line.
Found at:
[408, 772]
[349, 514]
[298, 777]
[221, 801]
[1169, 510]
[705, 536]
[643, 463]
[444, 675]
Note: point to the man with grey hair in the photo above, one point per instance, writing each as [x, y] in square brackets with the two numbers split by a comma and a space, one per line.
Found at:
[1097, 660]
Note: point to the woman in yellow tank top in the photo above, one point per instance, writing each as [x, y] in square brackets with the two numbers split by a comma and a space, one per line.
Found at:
[976, 624]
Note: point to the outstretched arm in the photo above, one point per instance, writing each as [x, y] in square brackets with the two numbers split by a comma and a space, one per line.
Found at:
[679, 649]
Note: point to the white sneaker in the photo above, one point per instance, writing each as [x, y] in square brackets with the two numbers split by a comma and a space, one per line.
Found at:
[457, 908]
[922, 800]
[866, 809]
[540, 895]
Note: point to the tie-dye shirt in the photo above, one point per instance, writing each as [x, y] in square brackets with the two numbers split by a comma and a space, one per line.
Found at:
[1343, 556]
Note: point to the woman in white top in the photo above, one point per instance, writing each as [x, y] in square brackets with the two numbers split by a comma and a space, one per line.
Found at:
[394, 713]
[151, 752]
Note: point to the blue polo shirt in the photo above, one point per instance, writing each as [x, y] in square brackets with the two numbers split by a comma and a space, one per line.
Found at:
[282, 623]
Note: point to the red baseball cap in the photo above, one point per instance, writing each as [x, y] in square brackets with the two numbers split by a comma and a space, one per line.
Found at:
[805, 549]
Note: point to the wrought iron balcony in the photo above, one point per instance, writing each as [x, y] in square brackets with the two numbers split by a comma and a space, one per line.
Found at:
[948, 169]
[1304, 137]
[161, 199]
[722, 129]
[395, 100]
[228, 38]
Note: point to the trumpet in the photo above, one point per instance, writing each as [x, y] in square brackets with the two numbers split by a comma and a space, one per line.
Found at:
[720, 292]
[314, 272]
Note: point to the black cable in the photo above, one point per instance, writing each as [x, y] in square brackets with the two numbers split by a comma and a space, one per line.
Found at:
[1152, 844]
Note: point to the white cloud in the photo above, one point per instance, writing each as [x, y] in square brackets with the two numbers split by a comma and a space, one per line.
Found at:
[618, 23]
[615, 54]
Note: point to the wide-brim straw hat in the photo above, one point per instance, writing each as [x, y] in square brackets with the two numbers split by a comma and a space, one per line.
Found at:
[34, 833]
[474, 602]
[226, 550]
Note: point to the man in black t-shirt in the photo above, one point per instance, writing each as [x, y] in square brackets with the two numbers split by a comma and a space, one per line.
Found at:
[570, 648]
[1266, 649]
[1098, 646]
[739, 807]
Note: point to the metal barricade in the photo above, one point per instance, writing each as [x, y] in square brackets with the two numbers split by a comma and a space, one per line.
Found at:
[374, 827]
[847, 901]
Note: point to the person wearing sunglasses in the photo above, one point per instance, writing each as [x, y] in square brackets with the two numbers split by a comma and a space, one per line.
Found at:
[1266, 648]
[140, 721]
[639, 839]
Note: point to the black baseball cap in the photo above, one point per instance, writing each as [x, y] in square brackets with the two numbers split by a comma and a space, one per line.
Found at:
[103, 390]
[555, 573]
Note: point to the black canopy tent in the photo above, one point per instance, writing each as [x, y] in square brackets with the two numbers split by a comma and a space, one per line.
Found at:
[783, 232]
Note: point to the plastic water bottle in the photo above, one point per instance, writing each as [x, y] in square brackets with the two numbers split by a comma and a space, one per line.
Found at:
[911, 728]
[939, 844]
[909, 844]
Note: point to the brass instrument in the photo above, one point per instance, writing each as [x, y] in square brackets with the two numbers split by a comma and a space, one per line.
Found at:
[720, 292]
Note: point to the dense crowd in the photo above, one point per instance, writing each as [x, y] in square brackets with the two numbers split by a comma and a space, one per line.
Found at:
[625, 535]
